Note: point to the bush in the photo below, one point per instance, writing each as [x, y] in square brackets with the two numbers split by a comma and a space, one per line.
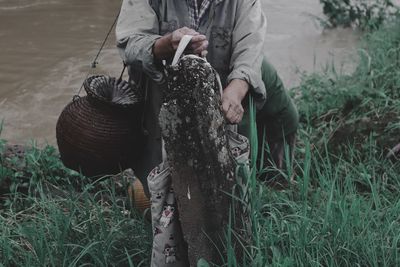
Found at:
[363, 14]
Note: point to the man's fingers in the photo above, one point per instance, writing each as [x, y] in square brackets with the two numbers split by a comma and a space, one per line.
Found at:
[179, 33]
[198, 48]
[198, 38]
[230, 116]
[196, 45]
[233, 112]
[237, 107]
[225, 107]
[236, 118]
[204, 53]
[186, 30]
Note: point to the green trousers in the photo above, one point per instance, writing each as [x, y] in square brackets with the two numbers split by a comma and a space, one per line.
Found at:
[278, 117]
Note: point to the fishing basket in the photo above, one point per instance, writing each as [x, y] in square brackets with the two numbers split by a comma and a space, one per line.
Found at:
[101, 133]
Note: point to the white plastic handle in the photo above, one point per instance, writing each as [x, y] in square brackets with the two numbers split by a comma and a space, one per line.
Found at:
[181, 47]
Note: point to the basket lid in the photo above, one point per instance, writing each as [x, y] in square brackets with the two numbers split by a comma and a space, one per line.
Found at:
[112, 91]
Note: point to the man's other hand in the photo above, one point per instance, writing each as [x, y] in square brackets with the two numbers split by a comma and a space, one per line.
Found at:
[232, 100]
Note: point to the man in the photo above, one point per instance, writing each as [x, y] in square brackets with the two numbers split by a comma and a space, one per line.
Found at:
[231, 33]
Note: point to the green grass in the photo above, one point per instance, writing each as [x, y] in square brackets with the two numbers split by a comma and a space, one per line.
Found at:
[54, 217]
[71, 232]
[347, 109]
[343, 210]
[339, 214]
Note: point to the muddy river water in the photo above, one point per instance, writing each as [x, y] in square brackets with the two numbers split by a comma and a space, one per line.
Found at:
[46, 47]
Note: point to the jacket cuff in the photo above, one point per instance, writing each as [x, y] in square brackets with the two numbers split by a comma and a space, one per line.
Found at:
[257, 87]
[140, 55]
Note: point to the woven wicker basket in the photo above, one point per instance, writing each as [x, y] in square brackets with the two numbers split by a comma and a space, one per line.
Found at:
[100, 133]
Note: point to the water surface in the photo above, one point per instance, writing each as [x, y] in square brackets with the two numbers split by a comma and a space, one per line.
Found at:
[47, 45]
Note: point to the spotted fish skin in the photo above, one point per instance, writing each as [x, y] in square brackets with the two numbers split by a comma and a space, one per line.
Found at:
[202, 168]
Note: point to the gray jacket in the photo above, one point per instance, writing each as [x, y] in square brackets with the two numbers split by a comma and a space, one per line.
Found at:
[235, 30]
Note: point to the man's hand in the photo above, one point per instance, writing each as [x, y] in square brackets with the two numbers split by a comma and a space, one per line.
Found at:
[198, 43]
[165, 47]
[232, 100]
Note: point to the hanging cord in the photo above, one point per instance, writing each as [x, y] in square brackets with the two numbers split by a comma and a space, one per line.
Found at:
[95, 62]
[122, 72]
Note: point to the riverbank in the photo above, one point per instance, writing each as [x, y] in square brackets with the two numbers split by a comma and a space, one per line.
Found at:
[342, 211]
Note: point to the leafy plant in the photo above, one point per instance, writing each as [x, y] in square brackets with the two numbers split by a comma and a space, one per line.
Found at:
[363, 14]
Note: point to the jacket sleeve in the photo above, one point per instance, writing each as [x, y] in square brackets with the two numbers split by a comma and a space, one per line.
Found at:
[136, 32]
[247, 44]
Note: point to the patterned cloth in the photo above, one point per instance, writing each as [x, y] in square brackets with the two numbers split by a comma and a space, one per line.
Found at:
[169, 247]
[196, 13]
